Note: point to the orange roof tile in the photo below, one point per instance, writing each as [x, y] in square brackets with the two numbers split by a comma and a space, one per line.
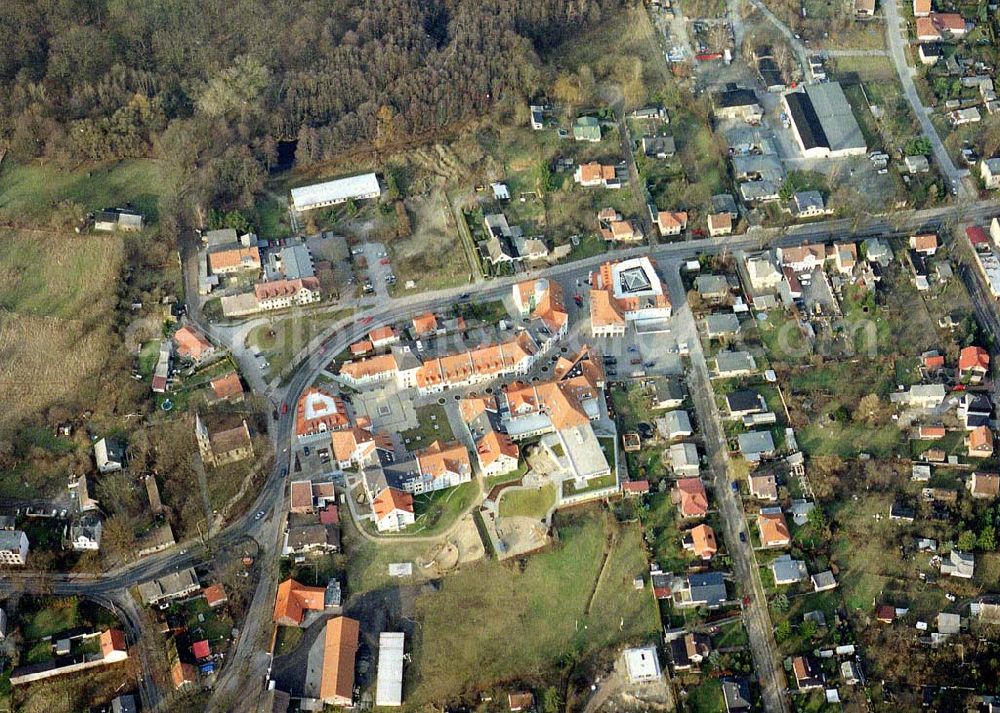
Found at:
[345, 443]
[951, 21]
[182, 673]
[284, 288]
[720, 221]
[214, 595]
[934, 361]
[981, 439]
[974, 358]
[300, 495]
[590, 172]
[191, 343]
[425, 323]
[318, 411]
[493, 445]
[382, 334]
[930, 432]
[227, 386]
[693, 498]
[112, 640]
[340, 645]
[234, 257]
[672, 219]
[294, 599]
[362, 347]
[703, 538]
[773, 529]
[438, 459]
[550, 308]
[472, 407]
[921, 7]
[390, 500]
[926, 29]
[373, 366]
[926, 241]
[603, 310]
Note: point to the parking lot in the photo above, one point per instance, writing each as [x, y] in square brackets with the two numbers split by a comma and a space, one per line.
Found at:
[378, 274]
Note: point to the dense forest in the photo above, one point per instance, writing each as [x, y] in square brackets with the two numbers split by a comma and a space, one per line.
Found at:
[214, 86]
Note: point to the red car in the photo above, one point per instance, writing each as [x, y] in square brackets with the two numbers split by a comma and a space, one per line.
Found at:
[367, 320]
[284, 409]
[384, 261]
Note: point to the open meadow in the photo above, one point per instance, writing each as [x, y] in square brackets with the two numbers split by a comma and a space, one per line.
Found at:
[57, 295]
[30, 193]
[530, 619]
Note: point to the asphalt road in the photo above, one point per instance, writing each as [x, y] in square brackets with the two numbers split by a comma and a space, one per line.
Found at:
[767, 662]
[895, 34]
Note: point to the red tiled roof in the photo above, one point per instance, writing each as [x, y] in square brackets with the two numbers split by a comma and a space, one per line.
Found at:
[112, 640]
[330, 515]
[340, 645]
[214, 595]
[977, 235]
[201, 649]
[391, 499]
[191, 343]
[227, 386]
[294, 599]
[284, 288]
[934, 361]
[975, 358]
[693, 498]
[773, 529]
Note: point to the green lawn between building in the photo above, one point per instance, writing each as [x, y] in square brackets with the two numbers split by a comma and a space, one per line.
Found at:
[528, 503]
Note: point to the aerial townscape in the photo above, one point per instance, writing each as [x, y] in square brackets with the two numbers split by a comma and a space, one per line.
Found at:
[544, 356]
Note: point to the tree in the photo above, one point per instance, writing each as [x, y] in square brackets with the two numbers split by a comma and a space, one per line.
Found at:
[235, 89]
[808, 629]
[988, 539]
[918, 146]
[966, 541]
[551, 700]
[566, 89]
[782, 631]
[872, 410]
[780, 602]
[388, 127]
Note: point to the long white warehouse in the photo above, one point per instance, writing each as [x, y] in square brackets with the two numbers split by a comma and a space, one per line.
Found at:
[389, 684]
[341, 190]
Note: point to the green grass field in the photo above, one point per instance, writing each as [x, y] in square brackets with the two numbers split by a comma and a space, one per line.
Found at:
[528, 503]
[521, 622]
[30, 193]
